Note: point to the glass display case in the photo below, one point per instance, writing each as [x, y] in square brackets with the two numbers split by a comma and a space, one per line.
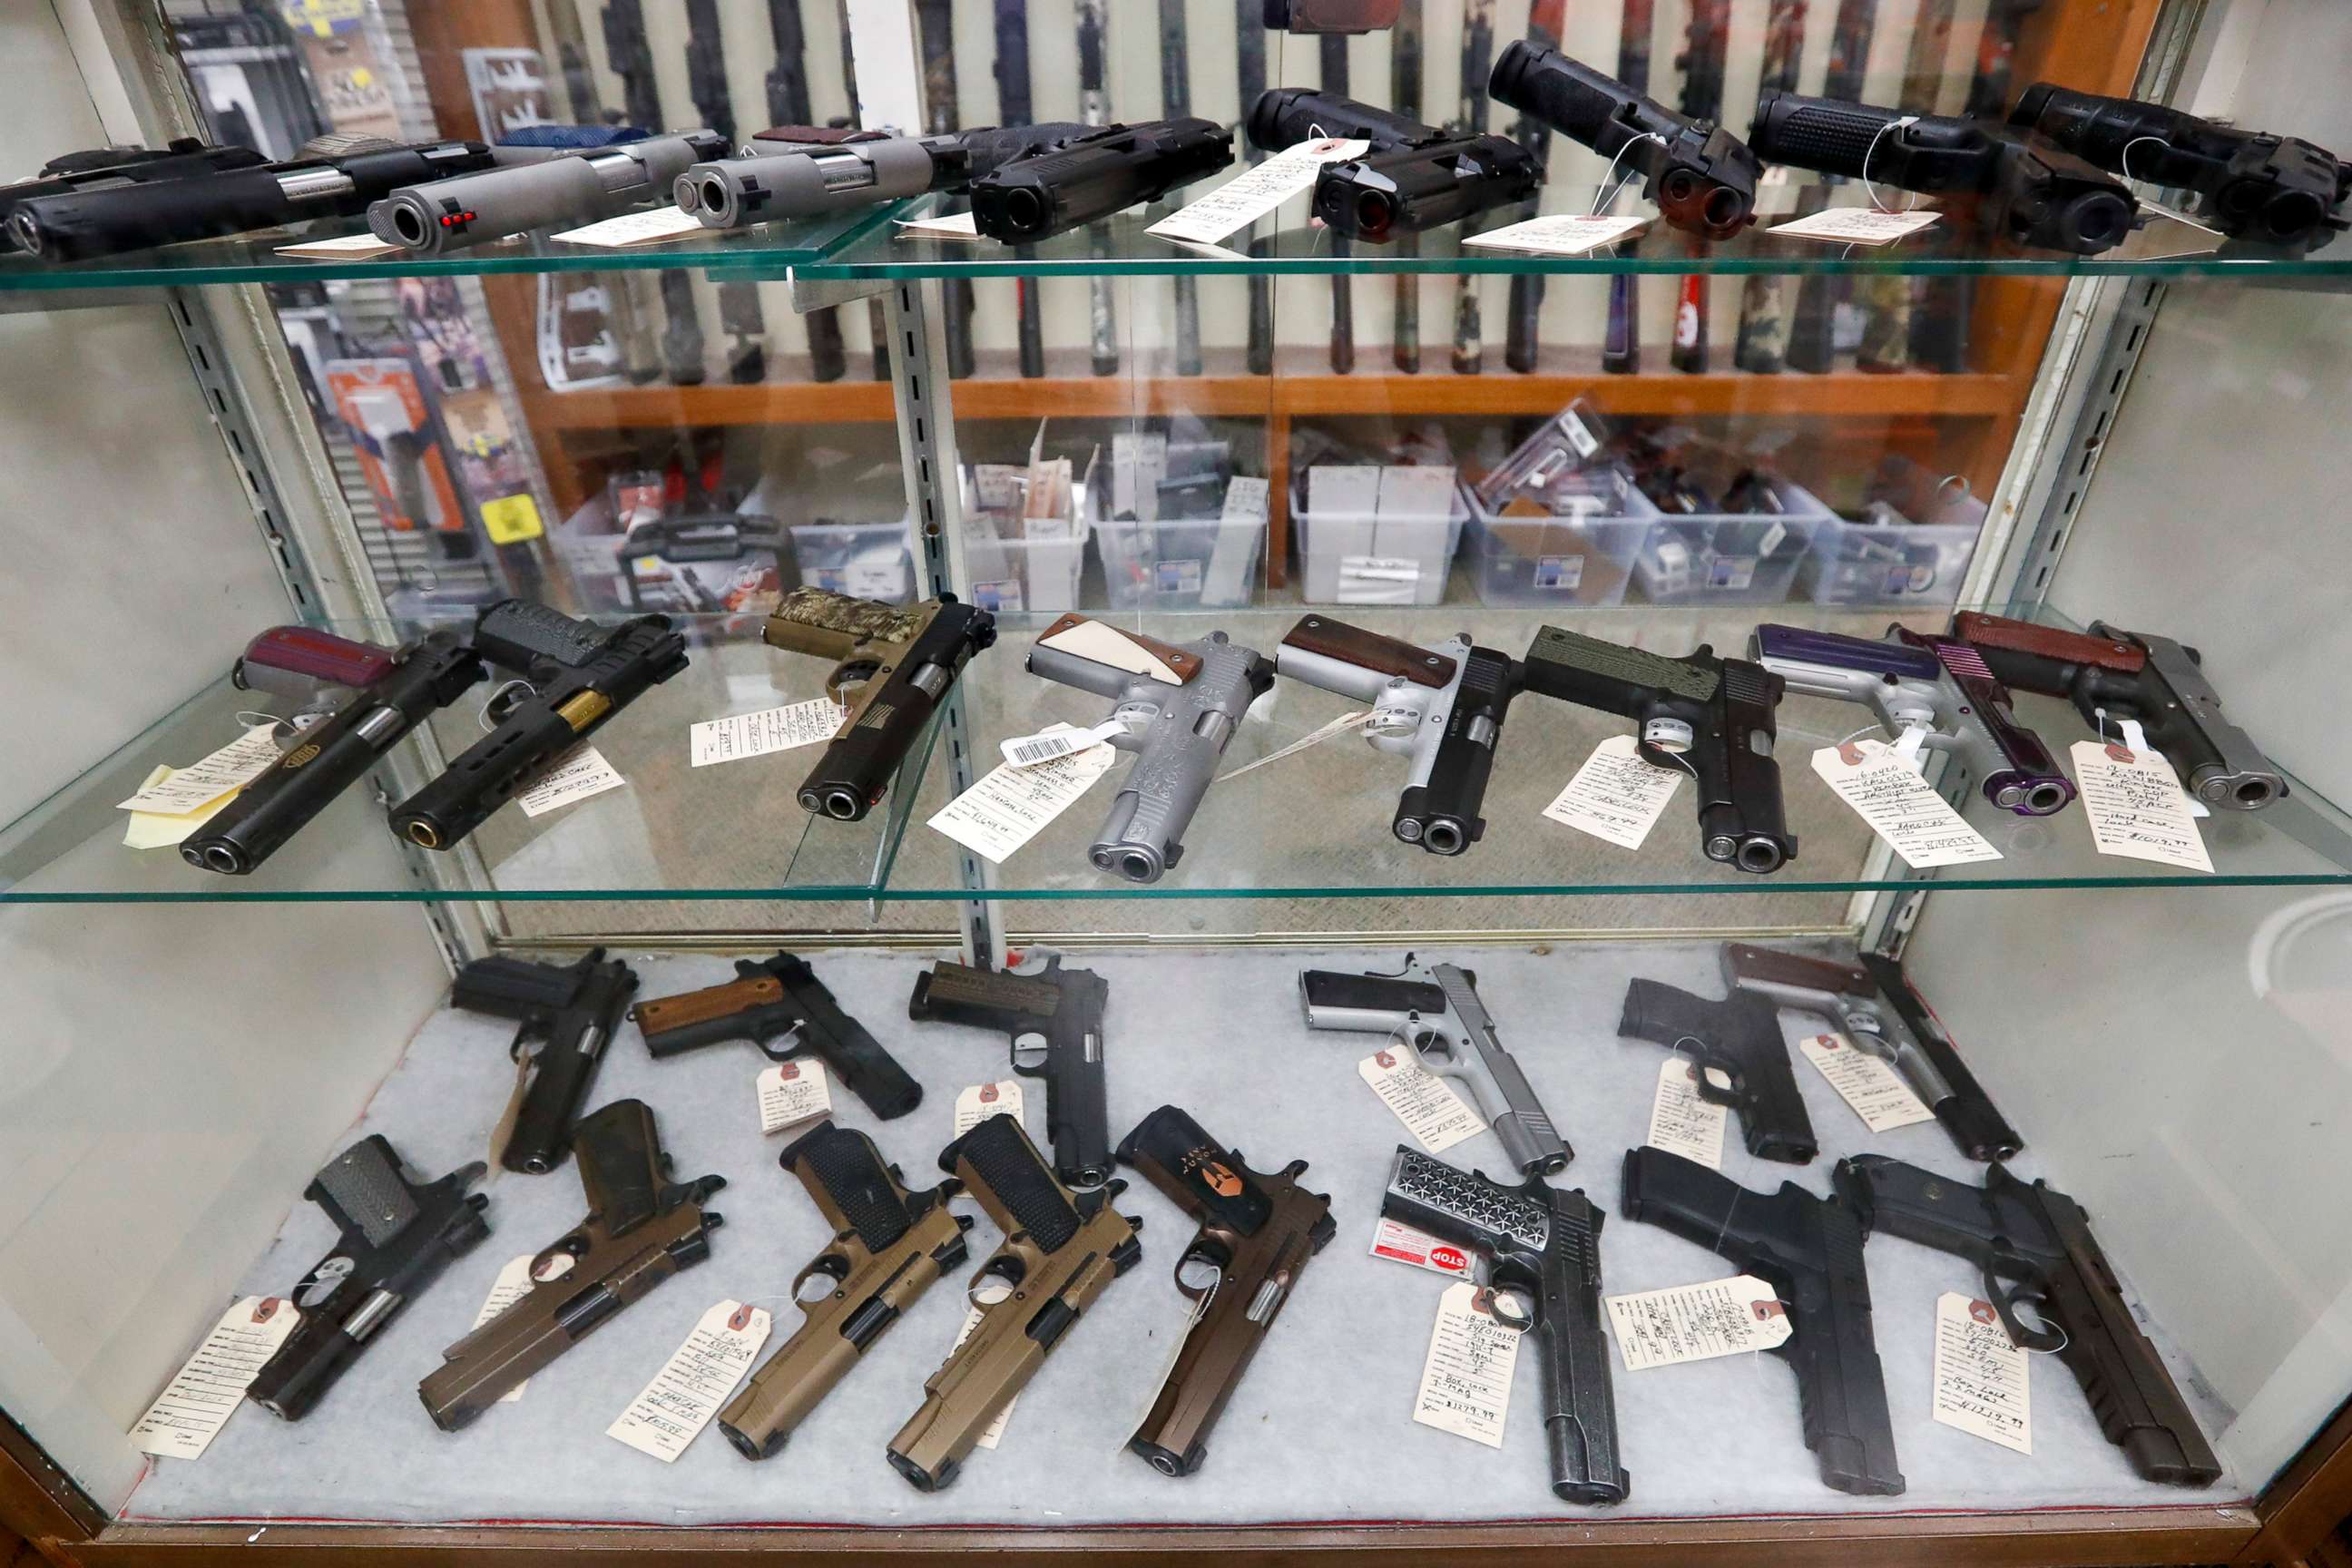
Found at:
[1763, 807]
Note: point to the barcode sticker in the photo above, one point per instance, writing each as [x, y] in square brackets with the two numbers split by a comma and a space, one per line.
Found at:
[1011, 805]
[1697, 1322]
[1028, 750]
[1465, 1380]
[792, 1093]
[671, 1411]
[206, 1390]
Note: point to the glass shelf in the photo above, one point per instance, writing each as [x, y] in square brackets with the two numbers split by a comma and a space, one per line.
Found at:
[675, 832]
[1313, 825]
[765, 251]
[1286, 243]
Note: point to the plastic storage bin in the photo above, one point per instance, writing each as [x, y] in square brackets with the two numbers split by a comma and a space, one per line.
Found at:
[1546, 561]
[1187, 563]
[1022, 565]
[1729, 558]
[865, 559]
[1376, 541]
[1886, 559]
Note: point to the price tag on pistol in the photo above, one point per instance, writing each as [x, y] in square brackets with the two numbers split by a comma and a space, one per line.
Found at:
[206, 1390]
[1011, 805]
[982, 1100]
[1427, 1105]
[1255, 192]
[1465, 1380]
[792, 1093]
[576, 776]
[1616, 795]
[1697, 1322]
[1870, 1087]
[1681, 1122]
[785, 729]
[2136, 807]
[1918, 823]
[1983, 1381]
[232, 767]
[672, 1410]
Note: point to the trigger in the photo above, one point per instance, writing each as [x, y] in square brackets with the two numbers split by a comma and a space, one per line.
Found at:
[850, 672]
[2005, 1298]
[781, 1047]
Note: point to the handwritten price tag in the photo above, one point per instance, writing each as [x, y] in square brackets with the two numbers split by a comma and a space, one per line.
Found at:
[1616, 795]
[1896, 803]
[1983, 1381]
[2136, 807]
[1465, 1380]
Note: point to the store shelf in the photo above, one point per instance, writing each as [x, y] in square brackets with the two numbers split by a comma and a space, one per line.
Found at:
[765, 251]
[1311, 825]
[2163, 248]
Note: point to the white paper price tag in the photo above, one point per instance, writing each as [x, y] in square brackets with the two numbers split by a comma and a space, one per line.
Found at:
[672, 1410]
[206, 1392]
[1616, 795]
[512, 1285]
[1394, 1239]
[1682, 1123]
[1254, 192]
[1465, 1380]
[792, 1093]
[1247, 498]
[342, 247]
[232, 767]
[996, 1432]
[1061, 741]
[785, 729]
[1011, 805]
[1339, 726]
[1567, 234]
[955, 225]
[574, 776]
[1428, 1106]
[649, 227]
[1378, 580]
[2136, 807]
[1983, 1381]
[1896, 803]
[1697, 1322]
[1870, 1087]
[1856, 225]
[982, 1100]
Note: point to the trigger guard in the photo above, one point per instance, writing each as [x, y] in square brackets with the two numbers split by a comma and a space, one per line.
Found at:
[784, 1046]
[818, 1268]
[1707, 1091]
[2004, 1295]
[856, 670]
[1199, 1258]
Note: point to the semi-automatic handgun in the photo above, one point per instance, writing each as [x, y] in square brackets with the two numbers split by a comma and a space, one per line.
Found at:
[1700, 177]
[338, 179]
[574, 675]
[774, 179]
[900, 659]
[642, 1227]
[2111, 675]
[397, 1237]
[1442, 706]
[2034, 1247]
[1061, 1251]
[1940, 686]
[1435, 1007]
[1808, 1250]
[570, 1011]
[1109, 169]
[1738, 1039]
[1179, 704]
[779, 1006]
[889, 1246]
[2021, 188]
[388, 701]
[1258, 1231]
[1054, 1020]
[94, 168]
[574, 186]
[2277, 189]
[1711, 718]
[1413, 177]
[1877, 1009]
[1542, 1246]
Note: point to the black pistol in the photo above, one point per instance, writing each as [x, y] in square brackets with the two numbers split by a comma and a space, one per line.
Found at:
[1073, 184]
[1738, 1037]
[1808, 1250]
[574, 675]
[1055, 1020]
[1414, 176]
[779, 1006]
[571, 1011]
[2034, 1247]
[397, 1237]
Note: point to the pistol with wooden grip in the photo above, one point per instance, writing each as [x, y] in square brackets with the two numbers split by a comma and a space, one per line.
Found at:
[1054, 1021]
[1738, 1041]
[1436, 1008]
[1542, 1246]
[392, 694]
[2111, 675]
[1061, 1251]
[642, 1227]
[570, 1011]
[1257, 1233]
[1712, 718]
[900, 659]
[574, 676]
[1441, 707]
[2035, 1248]
[1179, 704]
[1808, 1250]
[889, 1246]
[1940, 686]
[779, 1006]
[1878, 1011]
[397, 1237]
